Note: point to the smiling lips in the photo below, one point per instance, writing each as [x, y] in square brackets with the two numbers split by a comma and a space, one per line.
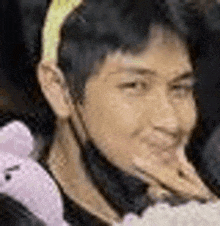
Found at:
[161, 140]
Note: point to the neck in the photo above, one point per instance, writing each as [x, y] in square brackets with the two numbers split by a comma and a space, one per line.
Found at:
[65, 163]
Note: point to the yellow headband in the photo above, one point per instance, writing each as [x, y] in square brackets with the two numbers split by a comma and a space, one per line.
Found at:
[58, 11]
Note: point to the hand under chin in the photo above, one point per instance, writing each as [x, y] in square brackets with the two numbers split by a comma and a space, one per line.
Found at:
[172, 174]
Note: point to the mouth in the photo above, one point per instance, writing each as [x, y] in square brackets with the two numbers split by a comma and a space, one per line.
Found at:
[159, 141]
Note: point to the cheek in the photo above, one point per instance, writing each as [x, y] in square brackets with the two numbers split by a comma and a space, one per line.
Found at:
[187, 113]
[112, 116]
[113, 124]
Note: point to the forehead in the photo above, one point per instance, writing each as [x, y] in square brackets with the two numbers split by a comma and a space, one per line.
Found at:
[165, 53]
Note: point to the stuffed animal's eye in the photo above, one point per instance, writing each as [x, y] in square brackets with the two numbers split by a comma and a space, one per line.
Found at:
[7, 177]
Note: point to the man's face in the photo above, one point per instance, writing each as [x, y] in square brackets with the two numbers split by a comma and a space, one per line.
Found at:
[142, 105]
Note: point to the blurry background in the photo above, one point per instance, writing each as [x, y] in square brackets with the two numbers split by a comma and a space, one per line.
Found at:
[20, 96]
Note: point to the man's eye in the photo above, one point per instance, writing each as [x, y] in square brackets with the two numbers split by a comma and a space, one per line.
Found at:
[133, 87]
[183, 90]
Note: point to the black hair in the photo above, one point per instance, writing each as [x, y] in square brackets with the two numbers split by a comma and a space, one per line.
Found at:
[99, 27]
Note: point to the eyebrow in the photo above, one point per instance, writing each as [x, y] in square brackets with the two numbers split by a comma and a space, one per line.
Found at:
[140, 71]
[145, 71]
[135, 70]
[186, 75]
[17, 167]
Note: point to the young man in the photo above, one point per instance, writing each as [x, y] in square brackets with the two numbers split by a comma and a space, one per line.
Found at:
[122, 90]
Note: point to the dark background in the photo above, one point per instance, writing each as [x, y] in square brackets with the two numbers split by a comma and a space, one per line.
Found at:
[20, 95]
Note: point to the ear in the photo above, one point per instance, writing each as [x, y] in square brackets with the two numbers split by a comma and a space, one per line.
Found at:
[54, 87]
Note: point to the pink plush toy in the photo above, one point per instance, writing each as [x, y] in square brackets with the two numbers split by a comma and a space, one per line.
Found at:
[24, 179]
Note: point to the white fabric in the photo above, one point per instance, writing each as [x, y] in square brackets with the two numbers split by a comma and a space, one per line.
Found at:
[191, 214]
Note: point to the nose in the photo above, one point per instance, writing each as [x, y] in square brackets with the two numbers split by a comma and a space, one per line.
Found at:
[164, 118]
